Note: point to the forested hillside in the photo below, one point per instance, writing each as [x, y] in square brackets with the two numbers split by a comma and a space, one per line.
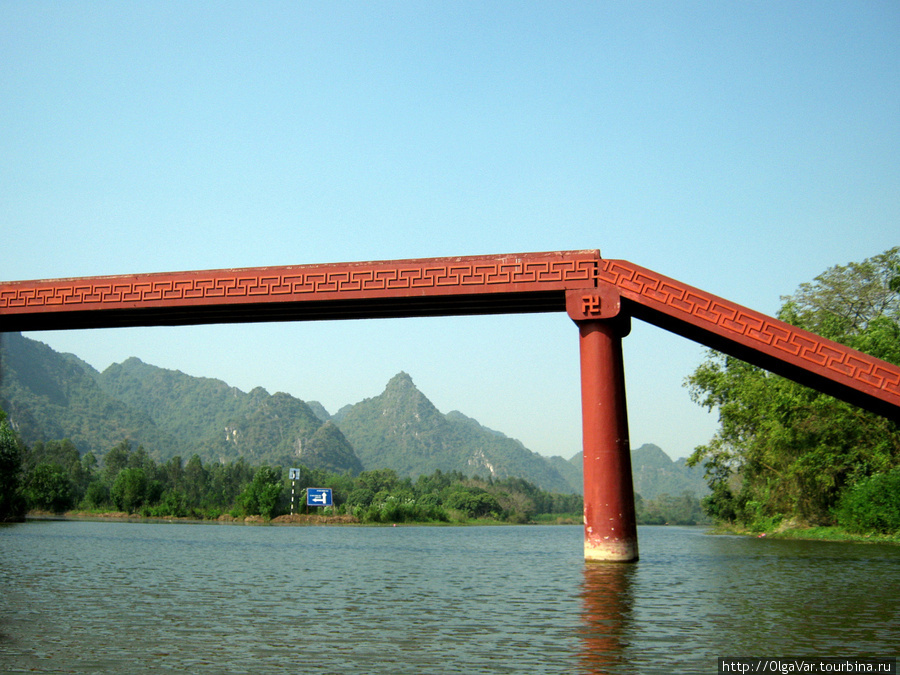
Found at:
[653, 473]
[168, 414]
[52, 396]
[118, 439]
[208, 417]
[54, 477]
[402, 429]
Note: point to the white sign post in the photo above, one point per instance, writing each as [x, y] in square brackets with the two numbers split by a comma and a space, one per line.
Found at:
[293, 474]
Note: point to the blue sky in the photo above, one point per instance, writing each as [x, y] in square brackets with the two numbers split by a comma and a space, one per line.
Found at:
[742, 148]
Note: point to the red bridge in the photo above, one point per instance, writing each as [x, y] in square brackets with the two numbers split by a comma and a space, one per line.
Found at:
[600, 295]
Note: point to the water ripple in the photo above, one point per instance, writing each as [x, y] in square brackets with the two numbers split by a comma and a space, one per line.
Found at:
[87, 597]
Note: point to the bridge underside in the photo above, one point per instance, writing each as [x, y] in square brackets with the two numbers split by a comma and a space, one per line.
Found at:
[308, 310]
[810, 376]
[600, 295]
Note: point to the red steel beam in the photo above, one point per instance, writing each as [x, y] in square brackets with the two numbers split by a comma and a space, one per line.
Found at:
[777, 346]
[530, 282]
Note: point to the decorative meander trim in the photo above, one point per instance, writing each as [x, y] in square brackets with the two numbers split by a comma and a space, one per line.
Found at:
[752, 329]
[64, 303]
[437, 276]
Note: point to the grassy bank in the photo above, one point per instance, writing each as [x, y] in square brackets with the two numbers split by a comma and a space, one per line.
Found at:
[296, 519]
[834, 533]
[809, 532]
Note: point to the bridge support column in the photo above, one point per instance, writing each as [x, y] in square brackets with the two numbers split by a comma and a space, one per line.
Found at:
[610, 528]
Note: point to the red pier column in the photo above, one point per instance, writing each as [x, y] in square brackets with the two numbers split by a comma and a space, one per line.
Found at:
[610, 528]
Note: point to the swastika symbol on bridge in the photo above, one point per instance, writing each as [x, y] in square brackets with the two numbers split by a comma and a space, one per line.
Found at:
[591, 305]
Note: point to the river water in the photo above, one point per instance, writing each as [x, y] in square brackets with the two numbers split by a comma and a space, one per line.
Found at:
[118, 597]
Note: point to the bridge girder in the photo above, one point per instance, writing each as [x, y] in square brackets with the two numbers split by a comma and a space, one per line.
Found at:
[471, 285]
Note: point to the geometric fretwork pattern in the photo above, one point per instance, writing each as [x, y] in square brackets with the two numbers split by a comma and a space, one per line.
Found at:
[378, 279]
[444, 286]
[751, 329]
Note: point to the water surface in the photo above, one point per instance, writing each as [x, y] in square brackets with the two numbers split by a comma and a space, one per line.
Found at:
[85, 597]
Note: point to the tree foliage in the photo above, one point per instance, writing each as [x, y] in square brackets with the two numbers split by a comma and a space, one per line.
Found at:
[872, 504]
[685, 509]
[783, 450]
[262, 495]
[12, 505]
[130, 490]
[49, 489]
[55, 478]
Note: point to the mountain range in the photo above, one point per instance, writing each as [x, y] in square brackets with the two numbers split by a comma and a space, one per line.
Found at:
[50, 396]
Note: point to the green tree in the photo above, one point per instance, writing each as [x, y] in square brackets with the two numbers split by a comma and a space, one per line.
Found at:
[473, 501]
[174, 472]
[115, 460]
[261, 497]
[437, 481]
[88, 468]
[65, 455]
[171, 503]
[786, 451]
[139, 459]
[48, 488]
[872, 504]
[226, 482]
[378, 480]
[361, 497]
[97, 495]
[196, 481]
[12, 505]
[130, 490]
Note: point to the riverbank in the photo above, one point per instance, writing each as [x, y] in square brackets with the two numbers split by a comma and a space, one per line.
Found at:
[295, 519]
[785, 531]
[809, 532]
[287, 519]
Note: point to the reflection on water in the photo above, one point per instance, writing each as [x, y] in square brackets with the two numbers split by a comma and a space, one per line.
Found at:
[693, 598]
[607, 608]
[89, 597]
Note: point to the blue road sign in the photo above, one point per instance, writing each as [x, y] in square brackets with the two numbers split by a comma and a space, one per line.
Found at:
[318, 496]
[294, 474]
